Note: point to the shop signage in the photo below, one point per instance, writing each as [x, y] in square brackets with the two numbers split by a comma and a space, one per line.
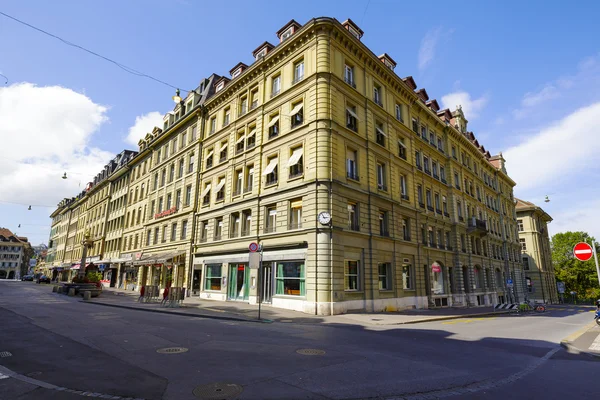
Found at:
[170, 211]
[435, 267]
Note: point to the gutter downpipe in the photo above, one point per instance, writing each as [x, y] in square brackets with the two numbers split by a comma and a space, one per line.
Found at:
[331, 295]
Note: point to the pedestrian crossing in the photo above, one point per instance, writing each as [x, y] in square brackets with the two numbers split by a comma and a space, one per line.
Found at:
[595, 346]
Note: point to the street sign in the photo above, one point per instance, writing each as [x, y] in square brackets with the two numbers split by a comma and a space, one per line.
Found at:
[561, 287]
[253, 247]
[583, 251]
[254, 260]
[509, 282]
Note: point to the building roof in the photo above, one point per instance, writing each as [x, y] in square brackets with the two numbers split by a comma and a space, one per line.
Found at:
[7, 236]
[523, 205]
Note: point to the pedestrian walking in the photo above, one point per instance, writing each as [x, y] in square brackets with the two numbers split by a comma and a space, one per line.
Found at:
[165, 294]
[141, 298]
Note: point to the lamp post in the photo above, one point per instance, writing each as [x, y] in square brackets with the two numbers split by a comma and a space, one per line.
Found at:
[87, 243]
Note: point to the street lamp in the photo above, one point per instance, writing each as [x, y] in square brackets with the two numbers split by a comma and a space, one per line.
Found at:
[177, 98]
[547, 199]
[87, 243]
[64, 176]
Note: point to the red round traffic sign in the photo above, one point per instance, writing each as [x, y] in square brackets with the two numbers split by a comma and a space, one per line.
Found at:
[253, 247]
[583, 251]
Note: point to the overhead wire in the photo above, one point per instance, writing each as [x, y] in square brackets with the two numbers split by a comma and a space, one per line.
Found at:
[118, 64]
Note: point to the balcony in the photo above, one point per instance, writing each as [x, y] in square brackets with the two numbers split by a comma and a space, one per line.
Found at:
[477, 227]
[444, 180]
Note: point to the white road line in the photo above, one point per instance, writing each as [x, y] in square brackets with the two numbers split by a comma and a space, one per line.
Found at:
[4, 376]
[596, 345]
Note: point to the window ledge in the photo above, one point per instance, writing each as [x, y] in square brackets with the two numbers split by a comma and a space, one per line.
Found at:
[296, 177]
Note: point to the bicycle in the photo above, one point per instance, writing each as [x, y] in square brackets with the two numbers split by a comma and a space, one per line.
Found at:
[532, 306]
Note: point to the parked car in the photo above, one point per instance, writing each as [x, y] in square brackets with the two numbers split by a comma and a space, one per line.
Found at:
[27, 278]
[44, 279]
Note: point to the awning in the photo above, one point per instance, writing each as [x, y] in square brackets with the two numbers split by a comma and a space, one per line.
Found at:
[119, 260]
[220, 185]
[380, 131]
[296, 155]
[273, 121]
[271, 167]
[210, 153]
[277, 255]
[145, 259]
[241, 139]
[351, 112]
[296, 109]
[252, 132]
[223, 146]
[76, 266]
[166, 257]
[206, 190]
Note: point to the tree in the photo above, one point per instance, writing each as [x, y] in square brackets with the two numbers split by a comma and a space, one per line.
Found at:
[578, 276]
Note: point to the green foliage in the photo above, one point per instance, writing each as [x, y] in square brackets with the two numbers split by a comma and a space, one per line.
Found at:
[94, 277]
[578, 276]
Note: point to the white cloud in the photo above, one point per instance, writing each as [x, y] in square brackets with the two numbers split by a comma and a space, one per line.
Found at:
[45, 132]
[576, 216]
[471, 107]
[548, 92]
[557, 151]
[428, 45]
[143, 125]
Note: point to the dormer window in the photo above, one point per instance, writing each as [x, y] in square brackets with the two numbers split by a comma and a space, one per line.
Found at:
[261, 54]
[220, 86]
[354, 32]
[237, 73]
[288, 33]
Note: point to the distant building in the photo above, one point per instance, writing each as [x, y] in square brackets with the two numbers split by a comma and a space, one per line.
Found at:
[532, 223]
[12, 254]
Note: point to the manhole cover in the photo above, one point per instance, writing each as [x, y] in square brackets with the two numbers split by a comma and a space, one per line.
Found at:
[5, 354]
[218, 391]
[310, 352]
[172, 350]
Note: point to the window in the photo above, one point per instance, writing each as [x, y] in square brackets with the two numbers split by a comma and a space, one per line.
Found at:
[226, 117]
[254, 99]
[223, 151]
[238, 182]
[445, 205]
[295, 162]
[403, 189]
[526, 263]
[218, 228]
[437, 279]
[353, 217]
[381, 177]
[246, 222]
[399, 113]
[454, 153]
[271, 219]
[206, 194]
[273, 126]
[289, 278]
[194, 133]
[434, 168]
[220, 189]
[456, 180]
[296, 214]
[379, 134]
[424, 132]
[183, 142]
[213, 125]
[163, 176]
[438, 209]
[428, 199]
[351, 164]
[377, 95]
[249, 178]
[349, 75]
[220, 86]
[169, 198]
[463, 244]
[520, 225]
[298, 71]
[351, 118]
[191, 163]
[213, 277]
[351, 275]
[275, 85]
[160, 207]
[385, 276]
[420, 195]
[239, 143]
[180, 169]
[184, 225]
[188, 195]
[447, 241]
[148, 237]
[164, 234]
[406, 229]
[459, 210]
[431, 236]
[251, 138]
[407, 283]
[418, 159]
[171, 173]
[234, 226]
[401, 149]
[173, 231]
[297, 114]
[203, 231]
[440, 144]
[523, 244]
[270, 171]
[426, 165]
[415, 125]
[243, 106]
[383, 223]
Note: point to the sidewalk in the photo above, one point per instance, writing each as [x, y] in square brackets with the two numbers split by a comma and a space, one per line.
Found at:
[584, 341]
[240, 311]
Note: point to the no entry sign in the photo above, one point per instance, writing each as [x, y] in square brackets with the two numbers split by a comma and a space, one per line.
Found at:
[583, 251]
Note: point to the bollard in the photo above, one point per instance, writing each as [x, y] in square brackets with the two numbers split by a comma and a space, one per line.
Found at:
[72, 292]
[87, 295]
[54, 289]
[59, 289]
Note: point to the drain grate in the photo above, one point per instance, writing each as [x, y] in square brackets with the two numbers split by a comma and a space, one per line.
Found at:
[311, 352]
[218, 391]
[5, 354]
[172, 350]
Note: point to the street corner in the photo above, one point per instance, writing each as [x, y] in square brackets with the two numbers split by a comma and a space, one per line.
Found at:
[584, 341]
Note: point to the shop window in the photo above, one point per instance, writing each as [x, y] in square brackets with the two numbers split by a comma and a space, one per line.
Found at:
[213, 277]
[290, 278]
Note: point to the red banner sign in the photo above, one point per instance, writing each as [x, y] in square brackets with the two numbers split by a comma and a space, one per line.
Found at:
[170, 211]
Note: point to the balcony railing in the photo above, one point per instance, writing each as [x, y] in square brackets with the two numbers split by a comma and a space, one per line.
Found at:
[295, 225]
[350, 82]
[477, 226]
[404, 197]
[269, 229]
[352, 175]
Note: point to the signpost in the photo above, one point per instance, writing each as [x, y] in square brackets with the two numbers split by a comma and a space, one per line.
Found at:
[583, 251]
[509, 283]
[254, 262]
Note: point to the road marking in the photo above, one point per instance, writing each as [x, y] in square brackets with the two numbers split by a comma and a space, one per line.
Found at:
[467, 321]
[596, 345]
[2, 376]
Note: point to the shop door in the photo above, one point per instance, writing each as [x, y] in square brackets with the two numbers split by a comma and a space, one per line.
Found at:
[267, 283]
[239, 278]
[197, 278]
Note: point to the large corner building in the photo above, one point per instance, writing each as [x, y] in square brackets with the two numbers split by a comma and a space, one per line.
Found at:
[361, 191]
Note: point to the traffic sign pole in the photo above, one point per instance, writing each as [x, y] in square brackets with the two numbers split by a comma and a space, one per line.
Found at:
[596, 259]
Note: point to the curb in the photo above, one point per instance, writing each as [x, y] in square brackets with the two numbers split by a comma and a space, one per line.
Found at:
[450, 317]
[567, 343]
[185, 314]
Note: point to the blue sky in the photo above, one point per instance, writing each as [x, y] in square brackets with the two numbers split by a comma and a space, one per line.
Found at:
[526, 73]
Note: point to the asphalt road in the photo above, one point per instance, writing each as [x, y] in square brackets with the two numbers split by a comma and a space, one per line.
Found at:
[62, 348]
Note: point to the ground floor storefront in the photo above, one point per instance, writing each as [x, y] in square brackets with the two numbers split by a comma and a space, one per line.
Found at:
[9, 273]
